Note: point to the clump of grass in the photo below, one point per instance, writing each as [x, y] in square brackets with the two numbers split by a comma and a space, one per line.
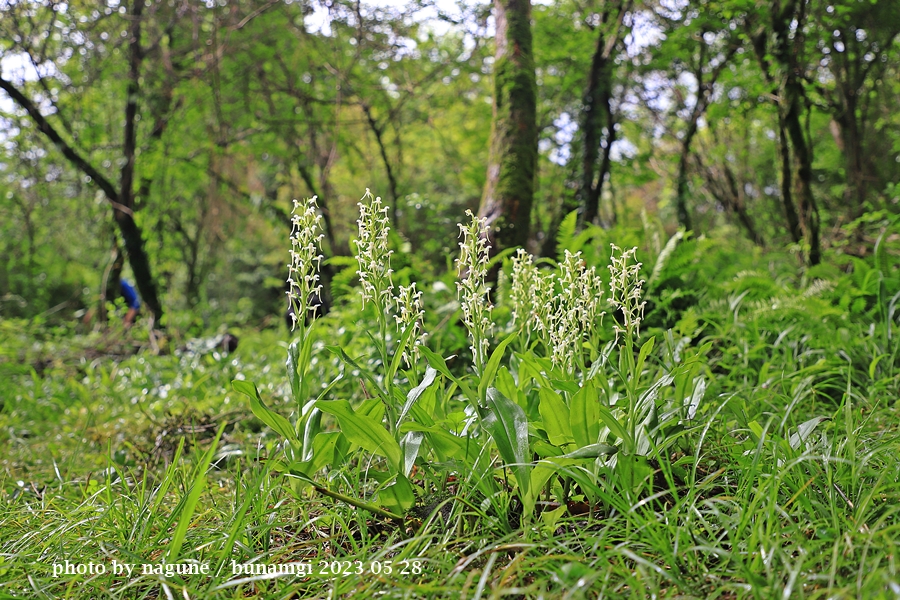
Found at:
[768, 465]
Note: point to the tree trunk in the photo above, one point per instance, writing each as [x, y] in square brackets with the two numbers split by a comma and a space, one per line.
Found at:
[787, 194]
[851, 146]
[787, 49]
[739, 206]
[123, 210]
[684, 216]
[512, 164]
[597, 114]
[802, 153]
[787, 24]
[122, 201]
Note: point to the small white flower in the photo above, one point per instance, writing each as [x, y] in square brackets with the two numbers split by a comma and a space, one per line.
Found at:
[411, 314]
[573, 318]
[625, 288]
[373, 254]
[303, 276]
[522, 289]
[472, 267]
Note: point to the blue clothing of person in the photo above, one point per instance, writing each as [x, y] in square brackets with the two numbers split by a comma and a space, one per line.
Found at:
[130, 295]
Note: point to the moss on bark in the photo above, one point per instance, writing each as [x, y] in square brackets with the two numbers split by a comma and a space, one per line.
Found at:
[509, 190]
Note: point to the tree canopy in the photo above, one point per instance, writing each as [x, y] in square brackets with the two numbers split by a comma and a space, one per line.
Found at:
[171, 136]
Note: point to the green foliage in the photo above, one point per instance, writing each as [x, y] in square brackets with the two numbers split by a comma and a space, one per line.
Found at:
[763, 418]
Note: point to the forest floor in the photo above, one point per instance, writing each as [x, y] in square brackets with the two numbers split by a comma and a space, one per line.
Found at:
[137, 475]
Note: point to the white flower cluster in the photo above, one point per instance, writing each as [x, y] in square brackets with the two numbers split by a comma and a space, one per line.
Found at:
[625, 288]
[525, 279]
[472, 266]
[373, 254]
[303, 276]
[564, 319]
[410, 314]
[375, 271]
[576, 310]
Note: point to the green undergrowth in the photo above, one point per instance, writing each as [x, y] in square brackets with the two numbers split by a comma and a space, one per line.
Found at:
[750, 450]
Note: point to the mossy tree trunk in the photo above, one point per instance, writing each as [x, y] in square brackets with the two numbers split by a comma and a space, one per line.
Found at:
[787, 24]
[122, 200]
[512, 164]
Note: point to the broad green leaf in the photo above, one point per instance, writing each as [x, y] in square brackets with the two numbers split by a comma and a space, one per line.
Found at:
[365, 431]
[410, 445]
[262, 412]
[531, 367]
[310, 430]
[397, 497]
[508, 427]
[321, 453]
[293, 364]
[506, 384]
[804, 430]
[592, 451]
[443, 442]
[493, 363]
[647, 401]
[696, 396]
[416, 392]
[399, 350]
[756, 430]
[372, 408]
[437, 361]
[584, 415]
[646, 349]
[555, 416]
[874, 365]
[614, 426]
[540, 475]
[363, 372]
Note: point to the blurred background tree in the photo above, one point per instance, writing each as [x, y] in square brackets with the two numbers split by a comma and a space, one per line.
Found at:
[175, 134]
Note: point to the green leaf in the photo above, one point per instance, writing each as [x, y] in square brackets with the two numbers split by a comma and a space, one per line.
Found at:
[493, 363]
[364, 431]
[584, 416]
[437, 361]
[540, 475]
[804, 430]
[399, 350]
[614, 426]
[298, 360]
[321, 453]
[397, 497]
[555, 416]
[508, 425]
[262, 412]
[646, 349]
[647, 402]
[311, 429]
[293, 363]
[874, 365]
[696, 396]
[506, 384]
[363, 372]
[592, 451]
[416, 392]
[410, 445]
[445, 443]
[566, 232]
